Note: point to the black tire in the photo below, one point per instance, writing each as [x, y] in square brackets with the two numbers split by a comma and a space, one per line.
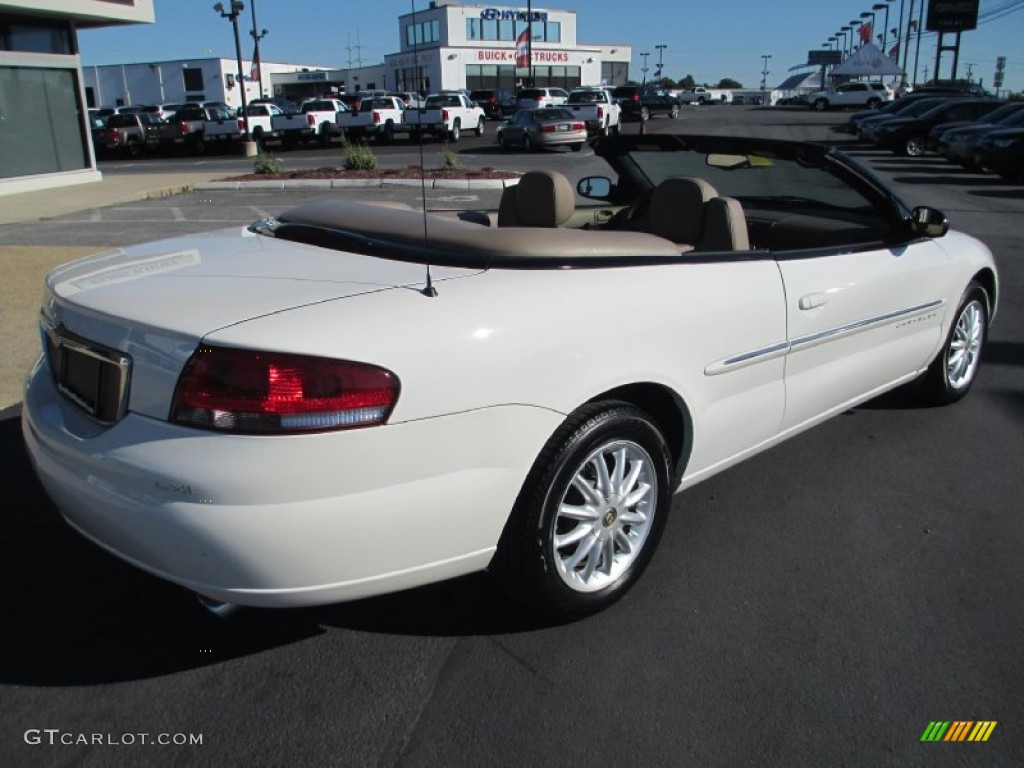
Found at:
[874, 103]
[605, 542]
[325, 134]
[820, 105]
[198, 145]
[954, 370]
[527, 144]
[455, 132]
[577, 147]
[133, 148]
[913, 146]
[645, 113]
[674, 112]
[479, 127]
[257, 136]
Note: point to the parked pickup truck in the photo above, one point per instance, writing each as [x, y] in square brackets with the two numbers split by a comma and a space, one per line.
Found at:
[259, 117]
[188, 128]
[381, 117]
[446, 115]
[316, 119]
[702, 95]
[597, 108]
[131, 133]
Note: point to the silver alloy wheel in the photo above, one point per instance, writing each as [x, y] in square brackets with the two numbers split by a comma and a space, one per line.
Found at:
[915, 146]
[604, 516]
[964, 351]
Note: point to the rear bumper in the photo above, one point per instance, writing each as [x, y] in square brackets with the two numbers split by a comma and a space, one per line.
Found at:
[288, 520]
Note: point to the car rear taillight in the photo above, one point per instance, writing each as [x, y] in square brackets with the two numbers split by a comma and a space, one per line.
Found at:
[115, 135]
[241, 125]
[636, 97]
[493, 99]
[376, 117]
[600, 112]
[444, 115]
[246, 391]
[183, 129]
[310, 119]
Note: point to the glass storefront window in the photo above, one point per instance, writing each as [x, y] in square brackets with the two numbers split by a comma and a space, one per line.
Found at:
[35, 35]
[554, 32]
[41, 129]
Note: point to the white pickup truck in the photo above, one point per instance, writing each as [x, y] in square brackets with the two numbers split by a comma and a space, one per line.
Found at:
[702, 95]
[597, 108]
[446, 115]
[259, 117]
[316, 120]
[381, 117]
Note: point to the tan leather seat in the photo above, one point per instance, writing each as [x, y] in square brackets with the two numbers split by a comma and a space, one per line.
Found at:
[540, 199]
[688, 211]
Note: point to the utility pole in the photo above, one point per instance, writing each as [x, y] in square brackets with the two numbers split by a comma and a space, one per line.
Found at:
[257, 36]
[661, 49]
[764, 76]
[644, 68]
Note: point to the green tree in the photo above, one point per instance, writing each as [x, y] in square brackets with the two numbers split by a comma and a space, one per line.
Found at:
[687, 82]
[728, 82]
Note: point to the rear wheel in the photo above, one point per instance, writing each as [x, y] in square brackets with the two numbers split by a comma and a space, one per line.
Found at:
[952, 373]
[820, 104]
[674, 112]
[453, 134]
[479, 127]
[645, 113]
[590, 513]
[527, 144]
[874, 103]
[577, 147]
[133, 148]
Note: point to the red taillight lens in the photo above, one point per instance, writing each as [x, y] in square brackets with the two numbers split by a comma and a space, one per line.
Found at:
[548, 128]
[636, 97]
[115, 135]
[310, 119]
[578, 126]
[238, 390]
[376, 117]
[444, 115]
[183, 129]
[241, 125]
[600, 112]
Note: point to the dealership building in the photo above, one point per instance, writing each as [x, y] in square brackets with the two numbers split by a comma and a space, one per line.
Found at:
[450, 46]
[44, 129]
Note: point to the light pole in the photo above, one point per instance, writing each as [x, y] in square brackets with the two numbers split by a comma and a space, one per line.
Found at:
[661, 49]
[644, 68]
[885, 27]
[854, 23]
[847, 38]
[764, 76]
[257, 36]
[236, 7]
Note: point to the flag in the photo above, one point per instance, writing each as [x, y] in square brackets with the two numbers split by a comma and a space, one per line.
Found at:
[523, 49]
[894, 52]
[865, 33]
[254, 71]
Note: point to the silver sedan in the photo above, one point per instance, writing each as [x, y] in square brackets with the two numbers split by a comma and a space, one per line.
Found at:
[546, 127]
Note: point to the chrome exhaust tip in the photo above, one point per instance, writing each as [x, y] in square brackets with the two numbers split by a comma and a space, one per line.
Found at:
[216, 607]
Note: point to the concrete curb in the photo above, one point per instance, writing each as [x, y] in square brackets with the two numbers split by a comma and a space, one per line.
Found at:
[234, 186]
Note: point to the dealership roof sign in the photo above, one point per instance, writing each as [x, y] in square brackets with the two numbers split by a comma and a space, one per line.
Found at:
[503, 14]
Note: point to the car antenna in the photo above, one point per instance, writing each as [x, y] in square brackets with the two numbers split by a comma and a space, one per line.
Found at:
[428, 290]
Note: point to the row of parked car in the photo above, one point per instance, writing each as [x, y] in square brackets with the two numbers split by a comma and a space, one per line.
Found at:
[978, 133]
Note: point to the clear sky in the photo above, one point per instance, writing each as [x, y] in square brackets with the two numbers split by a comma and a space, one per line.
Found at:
[710, 39]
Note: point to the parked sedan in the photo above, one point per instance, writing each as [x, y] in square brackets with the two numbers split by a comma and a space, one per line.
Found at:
[959, 145]
[531, 129]
[909, 135]
[1002, 152]
[361, 398]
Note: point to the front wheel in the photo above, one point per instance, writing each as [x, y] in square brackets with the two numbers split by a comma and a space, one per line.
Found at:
[527, 144]
[952, 373]
[590, 513]
[874, 103]
[820, 105]
[914, 146]
[674, 112]
[479, 127]
[645, 113]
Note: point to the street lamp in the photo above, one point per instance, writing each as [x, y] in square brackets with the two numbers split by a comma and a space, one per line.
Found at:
[661, 49]
[854, 23]
[644, 68]
[236, 7]
[847, 38]
[257, 36]
[885, 27]
[764, 76]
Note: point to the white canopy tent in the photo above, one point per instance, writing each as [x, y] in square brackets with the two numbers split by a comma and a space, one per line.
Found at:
[867, 61]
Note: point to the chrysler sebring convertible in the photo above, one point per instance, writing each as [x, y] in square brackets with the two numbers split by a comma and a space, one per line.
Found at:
[358, 398]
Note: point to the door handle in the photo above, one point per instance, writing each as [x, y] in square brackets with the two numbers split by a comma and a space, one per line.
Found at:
[812, 300]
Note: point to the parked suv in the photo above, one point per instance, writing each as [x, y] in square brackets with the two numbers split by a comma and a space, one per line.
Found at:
[870, 95]
[537, 98]
[639, 103]
[495, 103]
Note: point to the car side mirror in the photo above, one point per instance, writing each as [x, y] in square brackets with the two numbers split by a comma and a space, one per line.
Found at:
[597, 187]
[928, 222]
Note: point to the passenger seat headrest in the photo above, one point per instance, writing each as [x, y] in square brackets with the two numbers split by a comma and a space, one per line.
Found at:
[544, 199]
[677, 209]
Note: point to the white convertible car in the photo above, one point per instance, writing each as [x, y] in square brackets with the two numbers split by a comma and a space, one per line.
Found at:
[355, 399]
